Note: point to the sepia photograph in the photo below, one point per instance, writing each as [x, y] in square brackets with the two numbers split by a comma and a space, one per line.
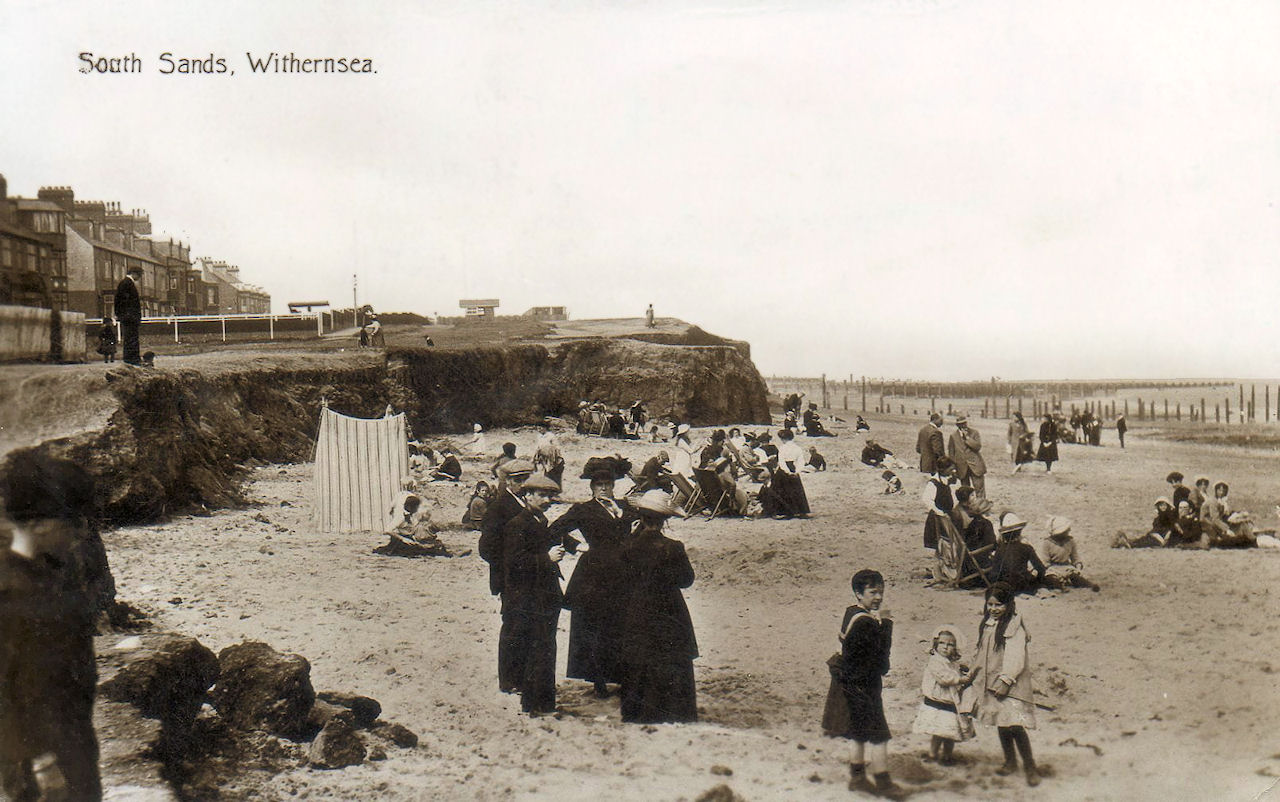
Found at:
[575, 400]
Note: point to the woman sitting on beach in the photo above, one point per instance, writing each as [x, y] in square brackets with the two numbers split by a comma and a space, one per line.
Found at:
[1190, 532]
[1226, 529]
[1164, 530]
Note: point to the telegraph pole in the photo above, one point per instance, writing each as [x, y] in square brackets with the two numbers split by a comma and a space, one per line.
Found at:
[355, 308]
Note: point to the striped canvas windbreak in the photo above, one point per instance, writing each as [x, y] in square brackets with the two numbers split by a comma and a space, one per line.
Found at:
[360, 465]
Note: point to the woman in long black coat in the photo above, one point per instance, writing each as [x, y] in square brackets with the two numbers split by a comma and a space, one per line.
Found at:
[660, 646]
[592, 594]
[1048, 453]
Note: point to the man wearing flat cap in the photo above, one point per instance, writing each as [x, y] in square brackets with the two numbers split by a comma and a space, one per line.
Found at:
[48, 676]
[965, 449]
[506, 506]
[531, 595]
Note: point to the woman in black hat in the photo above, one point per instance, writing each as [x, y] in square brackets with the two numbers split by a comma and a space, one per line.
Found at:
[659, 644]
[593, 589]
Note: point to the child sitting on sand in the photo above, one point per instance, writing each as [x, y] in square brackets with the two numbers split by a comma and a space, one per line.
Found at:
[414, 535]
[1063, 562]
[1014, 562]
[892, 484]
[816, 462]
[942, 715]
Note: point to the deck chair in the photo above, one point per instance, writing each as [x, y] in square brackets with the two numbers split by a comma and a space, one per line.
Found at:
[717, 499]
[957, 565]
[693, 500]
[638, 483]
[599, 423]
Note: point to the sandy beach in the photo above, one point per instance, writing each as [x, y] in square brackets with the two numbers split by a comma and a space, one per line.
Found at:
[1163, 685]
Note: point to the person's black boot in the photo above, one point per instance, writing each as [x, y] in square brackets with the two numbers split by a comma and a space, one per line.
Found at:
[858, 779]
[887, 788]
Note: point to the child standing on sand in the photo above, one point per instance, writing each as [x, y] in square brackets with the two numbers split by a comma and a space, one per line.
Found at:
[941, 710]
[865, 635]
[1001, 678]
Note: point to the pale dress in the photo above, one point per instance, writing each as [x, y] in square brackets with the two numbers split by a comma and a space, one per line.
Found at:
[929, 719]
[1011, 661]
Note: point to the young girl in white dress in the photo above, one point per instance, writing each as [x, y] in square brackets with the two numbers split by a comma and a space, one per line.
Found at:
[941, 714]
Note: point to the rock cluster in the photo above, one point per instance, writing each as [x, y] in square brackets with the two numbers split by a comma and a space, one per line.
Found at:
[261, 702]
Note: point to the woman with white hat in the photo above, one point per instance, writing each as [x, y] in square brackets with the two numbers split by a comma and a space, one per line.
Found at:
[682, 452]
[659, 645]
[1012, 556]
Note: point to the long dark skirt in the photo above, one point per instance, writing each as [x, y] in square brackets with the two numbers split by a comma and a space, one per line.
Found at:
[937, 527]
[788, 494]
[660, 691]
[1047, 453]
[1024, 453]
[593, 645]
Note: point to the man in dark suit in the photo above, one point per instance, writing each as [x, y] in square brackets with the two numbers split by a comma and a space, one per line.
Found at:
[929, 444]
[596, 585]
[508, 504]
[128, 308]
[531, 595]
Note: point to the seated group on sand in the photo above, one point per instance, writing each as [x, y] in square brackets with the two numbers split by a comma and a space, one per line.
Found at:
[994, 551]
[624, 423]
[738, 462]
[1197, 517]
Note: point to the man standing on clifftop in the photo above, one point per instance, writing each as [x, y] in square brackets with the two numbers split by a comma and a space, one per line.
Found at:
[128, 308]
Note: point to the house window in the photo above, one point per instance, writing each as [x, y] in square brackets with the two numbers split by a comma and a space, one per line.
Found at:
[47, 222]
[6, 253]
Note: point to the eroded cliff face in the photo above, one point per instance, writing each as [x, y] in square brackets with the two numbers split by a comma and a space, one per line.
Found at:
[703, 385]
[178, 438]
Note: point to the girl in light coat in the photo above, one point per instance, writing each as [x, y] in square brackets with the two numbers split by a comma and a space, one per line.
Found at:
[1001, 678]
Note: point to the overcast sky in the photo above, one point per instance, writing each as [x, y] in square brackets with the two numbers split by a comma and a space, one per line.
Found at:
[899, 188]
